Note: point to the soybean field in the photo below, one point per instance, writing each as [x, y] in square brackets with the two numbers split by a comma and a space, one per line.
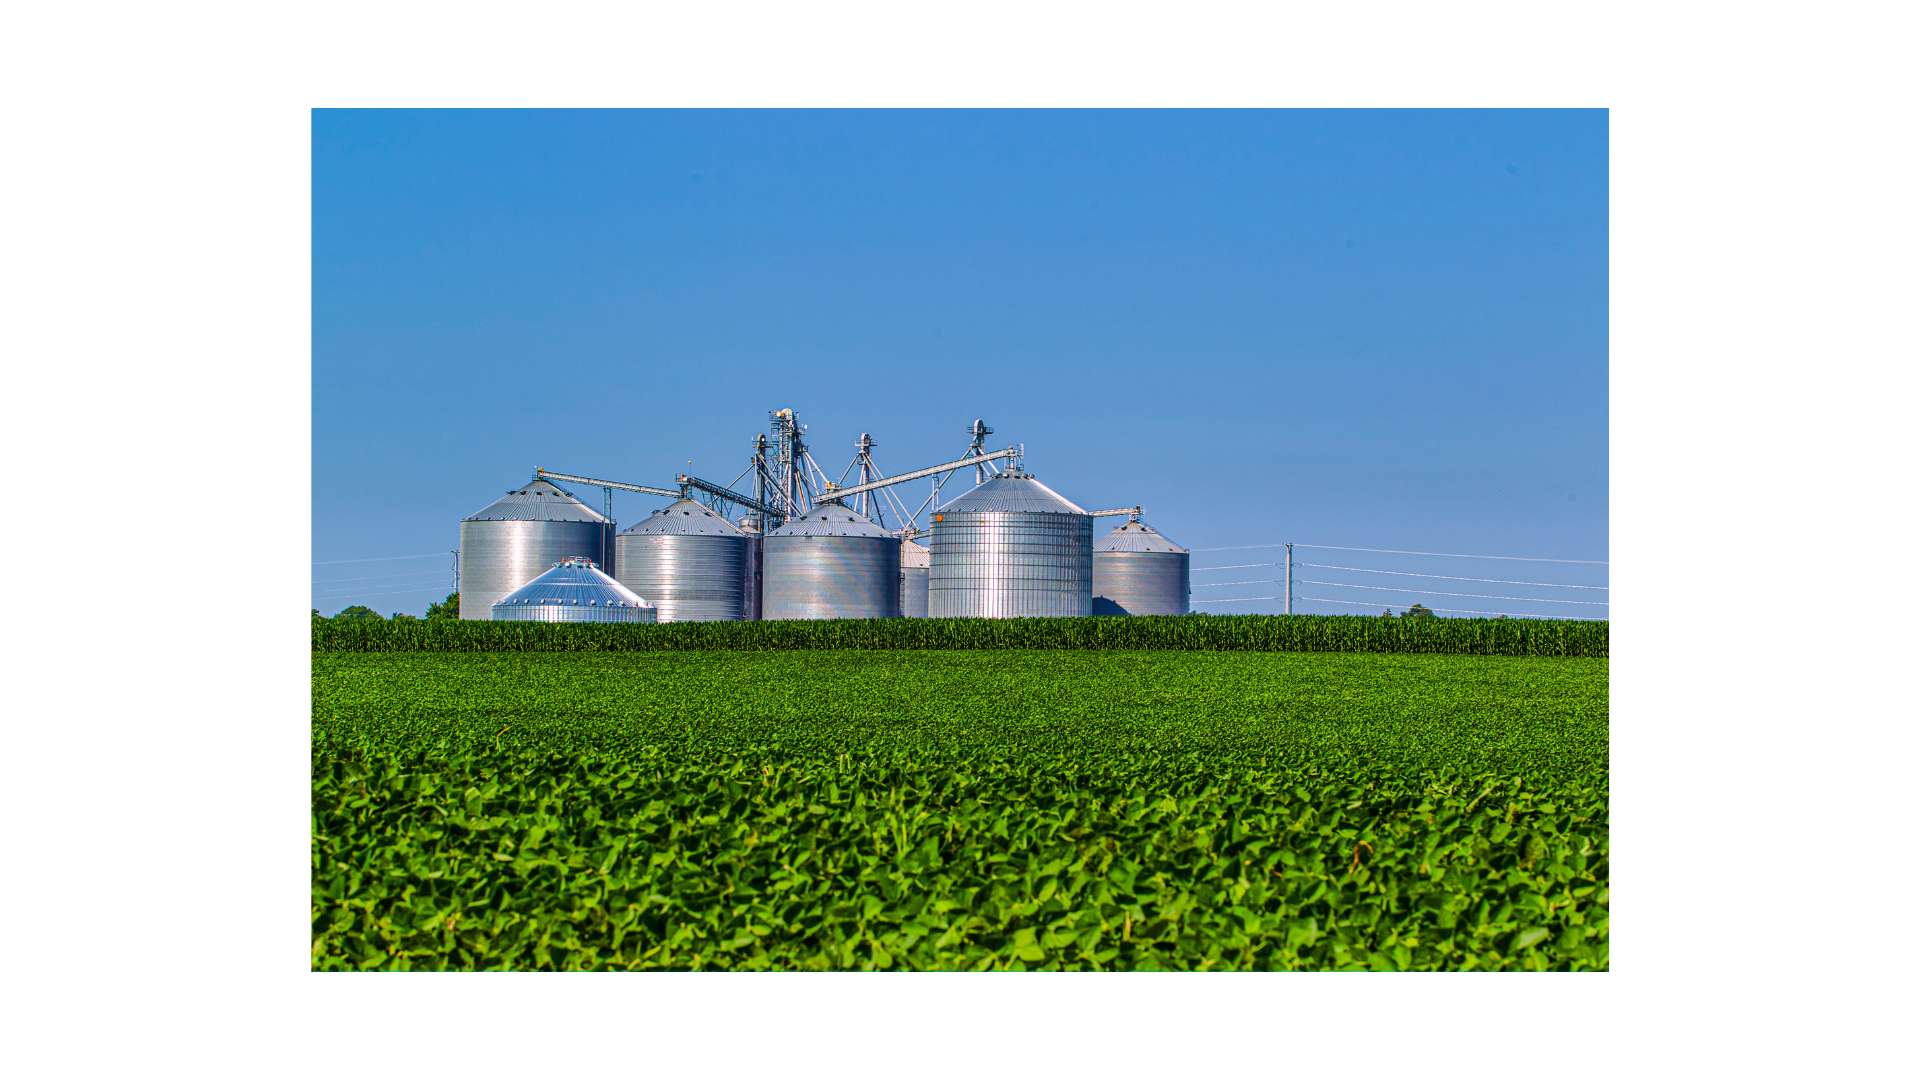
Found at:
[970, 809]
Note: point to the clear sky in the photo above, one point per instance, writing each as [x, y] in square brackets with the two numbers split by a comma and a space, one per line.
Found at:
[1367, 329]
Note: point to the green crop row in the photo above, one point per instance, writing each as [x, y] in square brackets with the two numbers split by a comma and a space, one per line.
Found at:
[952, 810]
[1249, 633]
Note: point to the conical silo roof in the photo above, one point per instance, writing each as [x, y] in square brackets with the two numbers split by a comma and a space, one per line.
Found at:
[573, 582]
[1137, 536]
[684, 518]
[914, 553]
[1016, 491]
[538, 501]
[831, 519]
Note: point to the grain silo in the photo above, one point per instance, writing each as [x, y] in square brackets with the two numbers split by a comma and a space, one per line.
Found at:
[520, 537]
[915, 561]
[832, 563]
[753, 591]
[574, 590]
[1137, 571]
[688, 560]
[1010, 548]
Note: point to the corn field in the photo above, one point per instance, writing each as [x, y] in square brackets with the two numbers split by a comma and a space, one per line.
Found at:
[1229, 633]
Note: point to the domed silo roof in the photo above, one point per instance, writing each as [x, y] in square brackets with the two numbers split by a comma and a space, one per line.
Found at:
[519, 537]
[915, 561]
[538, 501]
[831, 563]
[831, 519]
[684, 518]
[575, 590]
[1137, 571]
[1010, 548]
[1016, 491]
[1137, 536]
[914, 553]
[690, 561]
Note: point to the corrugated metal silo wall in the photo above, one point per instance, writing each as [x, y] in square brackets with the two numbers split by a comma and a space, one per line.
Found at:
[687, 578]
[754, 591]
[832, 577]
[1140, 582]
[1010, 564]
[497, 557]
[913, 591]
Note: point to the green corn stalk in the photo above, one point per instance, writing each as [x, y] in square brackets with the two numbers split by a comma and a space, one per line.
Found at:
[1230, 633]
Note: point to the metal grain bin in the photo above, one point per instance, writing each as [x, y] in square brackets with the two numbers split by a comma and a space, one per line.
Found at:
[756, 567]
[1137, 571]
[575, 590]
[1010, 548]
[688, 560]
[915, 564]
[520, 537]
[831, 564]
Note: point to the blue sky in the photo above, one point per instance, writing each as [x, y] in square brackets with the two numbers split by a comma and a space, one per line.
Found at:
[1369, 329]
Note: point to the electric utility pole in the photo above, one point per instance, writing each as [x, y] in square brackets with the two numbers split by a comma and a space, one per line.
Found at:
[1289, 579]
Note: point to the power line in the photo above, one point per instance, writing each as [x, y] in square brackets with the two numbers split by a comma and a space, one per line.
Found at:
[1219, 584]
[1463, 611]
[373, 594]
[1446, 577]
[386, 558]
[393, 585]
[1437, 592]
[1236, 566]
[376, 577]
[1453, 555]
[1393, 551]
[393, 590]
[1366, 604]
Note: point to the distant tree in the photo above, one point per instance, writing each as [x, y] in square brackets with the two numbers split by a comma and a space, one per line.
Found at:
[399, 615]
[316, 614]
[1419, 611]
[359, 612]
[447, 609]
